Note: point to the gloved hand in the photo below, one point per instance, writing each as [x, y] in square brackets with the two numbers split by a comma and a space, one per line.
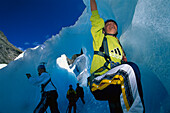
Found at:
[28, 75]
[124, 59]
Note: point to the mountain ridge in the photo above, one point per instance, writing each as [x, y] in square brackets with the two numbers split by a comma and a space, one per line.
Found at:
[8, 52]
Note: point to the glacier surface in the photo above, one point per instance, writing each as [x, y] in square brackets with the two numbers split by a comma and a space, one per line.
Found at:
[144, 31]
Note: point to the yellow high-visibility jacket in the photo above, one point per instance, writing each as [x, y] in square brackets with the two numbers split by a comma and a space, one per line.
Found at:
[115, 50]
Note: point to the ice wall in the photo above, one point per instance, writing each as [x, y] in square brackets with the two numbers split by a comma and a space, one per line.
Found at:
[144, 33]
[146, 42]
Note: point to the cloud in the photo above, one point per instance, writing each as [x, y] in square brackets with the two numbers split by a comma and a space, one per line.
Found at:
[20, 48]
[26, 43]
[47, 36]
[35, 43]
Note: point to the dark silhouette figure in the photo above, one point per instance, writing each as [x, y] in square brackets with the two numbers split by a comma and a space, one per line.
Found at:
[80, 93]
[72, 97]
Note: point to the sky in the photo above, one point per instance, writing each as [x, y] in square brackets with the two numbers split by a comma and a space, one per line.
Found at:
[28, 23]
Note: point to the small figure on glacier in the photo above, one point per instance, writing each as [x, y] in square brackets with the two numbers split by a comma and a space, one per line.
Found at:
[80, 93]
[72, 97]
[112, 77]
[48, 90]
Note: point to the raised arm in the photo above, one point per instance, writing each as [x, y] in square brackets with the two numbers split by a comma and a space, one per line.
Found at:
[93, 5]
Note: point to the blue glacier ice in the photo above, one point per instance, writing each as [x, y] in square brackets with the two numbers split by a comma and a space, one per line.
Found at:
[144, 31]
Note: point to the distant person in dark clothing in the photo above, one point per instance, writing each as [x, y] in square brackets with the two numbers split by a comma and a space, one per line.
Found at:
[80, 93]
[72, 97]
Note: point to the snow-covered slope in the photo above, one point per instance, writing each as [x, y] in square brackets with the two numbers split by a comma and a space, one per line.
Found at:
[2, 65]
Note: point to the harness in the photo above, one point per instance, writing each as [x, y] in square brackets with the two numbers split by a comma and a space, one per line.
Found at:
[104, 52]
[44, 85]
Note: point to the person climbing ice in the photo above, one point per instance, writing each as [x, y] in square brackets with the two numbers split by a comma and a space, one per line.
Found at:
[48, 90]
[112, 77]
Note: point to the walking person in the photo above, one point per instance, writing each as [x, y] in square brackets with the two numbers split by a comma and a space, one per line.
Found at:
[48, 90]
[80, 93]
[72, 97]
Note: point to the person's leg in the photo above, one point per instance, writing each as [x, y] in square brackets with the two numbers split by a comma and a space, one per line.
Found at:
[54, 107]
[74, 107]
[70, 108]
[77, 98]
[42, 106]
[138, 79]
[115, 107]
[82, 99]
[52, 102]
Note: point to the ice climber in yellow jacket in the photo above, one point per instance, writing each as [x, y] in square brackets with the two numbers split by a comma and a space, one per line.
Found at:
[114, 52]
[112, 77]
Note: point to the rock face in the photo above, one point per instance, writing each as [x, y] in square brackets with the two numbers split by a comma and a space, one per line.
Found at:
[8, 52]
[71, 61]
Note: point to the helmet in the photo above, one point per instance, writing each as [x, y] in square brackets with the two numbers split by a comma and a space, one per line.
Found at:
[110, 20]
[41, 67]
